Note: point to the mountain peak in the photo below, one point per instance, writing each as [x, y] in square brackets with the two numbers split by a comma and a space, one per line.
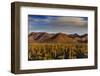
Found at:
[56, 38]
[84, 35]
[60, 38]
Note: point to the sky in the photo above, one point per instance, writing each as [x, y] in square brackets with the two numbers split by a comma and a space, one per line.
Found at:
[56, 24]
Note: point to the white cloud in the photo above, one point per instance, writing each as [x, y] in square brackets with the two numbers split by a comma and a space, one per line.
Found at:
[77, 21]
[74, 21]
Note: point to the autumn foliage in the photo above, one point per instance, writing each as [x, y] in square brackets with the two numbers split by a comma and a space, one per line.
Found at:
[48, 51]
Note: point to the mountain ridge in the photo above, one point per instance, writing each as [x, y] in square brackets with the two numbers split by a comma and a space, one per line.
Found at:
[44, 37]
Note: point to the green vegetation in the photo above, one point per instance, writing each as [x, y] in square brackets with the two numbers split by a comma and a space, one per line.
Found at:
[49, 51]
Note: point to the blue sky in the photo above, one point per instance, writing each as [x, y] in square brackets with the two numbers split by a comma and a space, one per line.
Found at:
[55, 24]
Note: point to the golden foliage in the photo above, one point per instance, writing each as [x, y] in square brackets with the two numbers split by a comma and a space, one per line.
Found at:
[48, 51]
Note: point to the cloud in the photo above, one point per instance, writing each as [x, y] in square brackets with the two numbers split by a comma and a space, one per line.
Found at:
[57, 20]
[57, 24]
[75, 21]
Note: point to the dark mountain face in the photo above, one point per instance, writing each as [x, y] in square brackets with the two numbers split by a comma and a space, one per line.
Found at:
[79, 38]
[56, 38]
[74, 35]
[84, 35]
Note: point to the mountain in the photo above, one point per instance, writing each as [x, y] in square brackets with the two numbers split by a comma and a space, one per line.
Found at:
[56, 38]
[79, 38]
[42, 36]
[84, 38]
[31, 37]
[38, 36]
[60, 38]
[74, 35]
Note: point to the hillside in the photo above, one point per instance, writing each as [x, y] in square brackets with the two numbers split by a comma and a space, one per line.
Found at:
[45, 37]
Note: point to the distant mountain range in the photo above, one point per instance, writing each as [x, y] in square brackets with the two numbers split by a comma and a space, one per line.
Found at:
[44, 37]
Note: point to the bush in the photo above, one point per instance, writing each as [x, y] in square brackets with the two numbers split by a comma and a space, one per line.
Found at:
[48, 51]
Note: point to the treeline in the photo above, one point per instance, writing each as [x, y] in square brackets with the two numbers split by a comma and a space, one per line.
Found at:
[57, 51]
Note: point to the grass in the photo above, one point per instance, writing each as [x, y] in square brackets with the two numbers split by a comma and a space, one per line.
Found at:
[49, 51]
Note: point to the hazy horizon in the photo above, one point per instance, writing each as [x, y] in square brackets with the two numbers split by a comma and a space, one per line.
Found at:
[58, 32]
[57, 24]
